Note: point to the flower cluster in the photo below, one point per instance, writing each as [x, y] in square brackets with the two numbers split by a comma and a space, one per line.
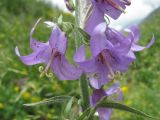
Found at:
[112, 51]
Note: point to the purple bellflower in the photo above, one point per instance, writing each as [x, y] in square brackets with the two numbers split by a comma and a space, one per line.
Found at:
[112, 8]
[109, 56]
[105, 113]
[100, 8]
[51, 53]
[112, 53]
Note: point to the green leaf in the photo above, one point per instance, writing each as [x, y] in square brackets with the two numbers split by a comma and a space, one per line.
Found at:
[83, 11]
[67, 27]
[57, 99]
[84, 114]
[119, 106]
[69, 106]
[60, 19]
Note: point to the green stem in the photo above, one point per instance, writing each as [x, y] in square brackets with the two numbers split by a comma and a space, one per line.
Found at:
[85, 92]
[77, 13]
[83, 81]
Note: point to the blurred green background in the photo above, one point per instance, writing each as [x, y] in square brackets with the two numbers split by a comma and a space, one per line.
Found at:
[21, 84]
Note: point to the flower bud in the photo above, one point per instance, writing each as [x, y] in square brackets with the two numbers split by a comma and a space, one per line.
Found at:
[69, 5]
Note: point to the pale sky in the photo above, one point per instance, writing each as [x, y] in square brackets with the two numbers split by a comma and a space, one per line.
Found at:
[134, 13]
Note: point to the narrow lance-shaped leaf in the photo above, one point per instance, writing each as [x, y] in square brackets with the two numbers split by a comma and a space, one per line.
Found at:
[119, 106]
[57, 99]
[84, 114]
[69, 106]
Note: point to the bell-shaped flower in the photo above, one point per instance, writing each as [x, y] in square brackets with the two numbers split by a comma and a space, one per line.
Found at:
[101, 8]
[112, 8]
[113, 92]
[109, 56]
[134, 33]
[51, 53]
[112, 53]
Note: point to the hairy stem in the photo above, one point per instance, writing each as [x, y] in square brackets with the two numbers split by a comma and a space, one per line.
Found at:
[85, 92]
[84, 86]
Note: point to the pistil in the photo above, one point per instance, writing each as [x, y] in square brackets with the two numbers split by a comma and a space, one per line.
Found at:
[112, 75]
[49, 63]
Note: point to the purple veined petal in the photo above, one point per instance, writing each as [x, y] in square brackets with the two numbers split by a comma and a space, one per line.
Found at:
[80, 55]
[136, 32]
[58, 40]
[140, 48]
[115, 36]
[99, 77]
[152, 41]
[99, 41]
[137, 47]
[131, 55]
[36, 57]
[88, 66]
[94, 19]
[34, 44]
[64, 70]
[109, 9]
[117, 61]
[97, 95]
[104, 113]
[102, 74]
[94, 82]
[114, 89]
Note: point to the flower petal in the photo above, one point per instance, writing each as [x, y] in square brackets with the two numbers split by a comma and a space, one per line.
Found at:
[104, 113]
[140, 48]
[97, 95]
[99, 41]
[88, 66]
[64, 70]
[36, 57]
[115, 89]
[94, 19]
[136, 32]
[58, 40]
[109, 9]
[34, 44]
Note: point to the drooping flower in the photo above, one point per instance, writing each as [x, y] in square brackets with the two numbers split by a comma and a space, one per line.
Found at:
[112, 53]
[134, 33]
[109, 56]
[112, 8]
[98, 94]
[51, 53]
[100, 8]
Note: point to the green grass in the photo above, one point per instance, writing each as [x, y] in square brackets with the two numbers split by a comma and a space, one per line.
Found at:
[17, 18]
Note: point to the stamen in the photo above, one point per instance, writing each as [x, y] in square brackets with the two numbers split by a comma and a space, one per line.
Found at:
[44, 71]
[126, 2]
[41, 68]
[114, 4]
[112, 75]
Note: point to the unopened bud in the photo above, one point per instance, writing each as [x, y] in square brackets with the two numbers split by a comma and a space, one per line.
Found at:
[69, 5]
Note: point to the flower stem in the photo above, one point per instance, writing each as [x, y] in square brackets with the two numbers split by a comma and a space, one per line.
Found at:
[83, 81]
[85, 92]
